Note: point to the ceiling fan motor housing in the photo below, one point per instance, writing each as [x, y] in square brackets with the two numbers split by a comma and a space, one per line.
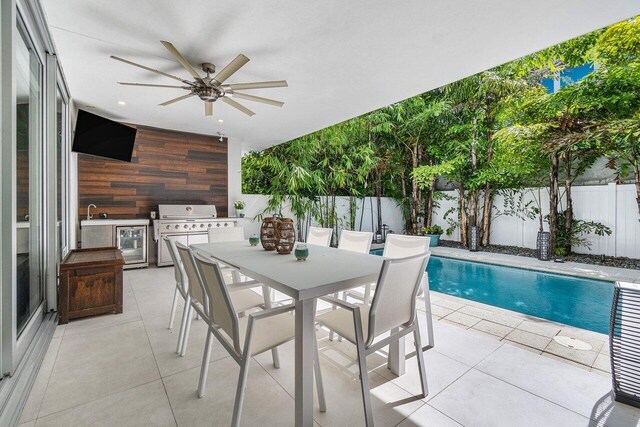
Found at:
[207, 93]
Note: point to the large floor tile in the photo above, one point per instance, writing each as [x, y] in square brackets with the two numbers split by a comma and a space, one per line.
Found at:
[164, 340]
[91, 325]
[34, 401]
[92, 366]
[609, 413]
[462, 345]
[478, 400]
[428, 416]
[266, 403]
[568, 386]
[441, 372]
[145, 405]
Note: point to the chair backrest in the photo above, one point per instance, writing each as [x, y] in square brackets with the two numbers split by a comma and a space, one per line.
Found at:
[401, 246]
[226, 234]
[221, 310]
[177, 263]
[394, 301]
[355, 241]
[319, 236]
[195, 287]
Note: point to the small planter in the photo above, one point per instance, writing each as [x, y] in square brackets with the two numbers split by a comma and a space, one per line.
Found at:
[239, 213]
[434, 239]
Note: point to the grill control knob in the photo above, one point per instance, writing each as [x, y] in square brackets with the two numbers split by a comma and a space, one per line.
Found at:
[186, 226]
[209, 225]
[226, 225]
[201, 225]
[177, 226]
[218, 225]
[168, 227]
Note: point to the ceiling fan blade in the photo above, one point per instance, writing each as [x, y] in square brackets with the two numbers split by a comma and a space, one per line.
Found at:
[257, 85]
[176, 54]
[258, 99]
[240, 107]
[233, 66]
[151, 85]
[153, 70]
[180, 98]
[208, 108]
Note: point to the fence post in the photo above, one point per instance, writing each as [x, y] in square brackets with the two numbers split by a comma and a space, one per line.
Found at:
[612, 201]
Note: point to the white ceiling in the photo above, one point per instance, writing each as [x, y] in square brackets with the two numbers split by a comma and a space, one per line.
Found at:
[341, 58]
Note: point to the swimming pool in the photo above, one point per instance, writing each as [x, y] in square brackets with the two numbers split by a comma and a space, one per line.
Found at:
[575, 301]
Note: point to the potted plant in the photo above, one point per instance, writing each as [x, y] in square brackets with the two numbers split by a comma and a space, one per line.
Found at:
[560, 253]
[239, 206]
[433, 232]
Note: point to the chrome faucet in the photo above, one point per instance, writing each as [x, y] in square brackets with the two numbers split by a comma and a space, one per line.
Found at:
[89, 216]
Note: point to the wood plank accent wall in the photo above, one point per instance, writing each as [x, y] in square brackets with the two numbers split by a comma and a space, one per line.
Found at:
[167, 167]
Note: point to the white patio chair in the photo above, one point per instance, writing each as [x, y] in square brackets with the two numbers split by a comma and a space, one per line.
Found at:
[319, 236]
[243, 337]
[392, 311]
[181, 290]
[354, 241]
[244, 298]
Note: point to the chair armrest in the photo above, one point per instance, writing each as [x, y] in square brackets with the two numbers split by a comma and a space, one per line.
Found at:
[272, 311]
[340, 303]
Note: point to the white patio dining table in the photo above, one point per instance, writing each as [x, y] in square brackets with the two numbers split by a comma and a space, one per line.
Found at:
[327, 270]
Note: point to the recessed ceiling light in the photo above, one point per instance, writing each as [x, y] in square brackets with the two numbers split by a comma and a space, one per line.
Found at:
[220, 121]
[122, 103]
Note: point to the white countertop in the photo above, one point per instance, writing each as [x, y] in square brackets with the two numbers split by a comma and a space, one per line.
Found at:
[89, 222]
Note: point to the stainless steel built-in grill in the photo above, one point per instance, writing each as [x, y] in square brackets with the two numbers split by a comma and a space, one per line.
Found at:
[187, 224]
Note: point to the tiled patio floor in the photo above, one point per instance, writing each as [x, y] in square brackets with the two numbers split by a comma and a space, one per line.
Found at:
[123, 371]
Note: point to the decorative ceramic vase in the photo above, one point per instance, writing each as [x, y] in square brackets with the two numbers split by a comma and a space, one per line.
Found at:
[285, 236]
[254, 240]
[268, 233]
[301, 252]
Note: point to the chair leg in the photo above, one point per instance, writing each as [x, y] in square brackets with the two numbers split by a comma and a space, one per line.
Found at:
[333, 307]
[173, 308]
[187, 329]
[427, 306]
[322, 403]
[204, 370]
[244, 373]
[266, 294]
[183, 324]
[362, 365]
[420, 358]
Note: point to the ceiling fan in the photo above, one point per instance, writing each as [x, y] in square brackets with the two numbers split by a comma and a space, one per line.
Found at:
[210, 88]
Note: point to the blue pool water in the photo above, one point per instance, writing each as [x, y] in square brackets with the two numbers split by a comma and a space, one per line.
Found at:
[575, 301]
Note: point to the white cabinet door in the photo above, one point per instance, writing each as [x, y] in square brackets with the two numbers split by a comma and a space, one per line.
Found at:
[164, 258]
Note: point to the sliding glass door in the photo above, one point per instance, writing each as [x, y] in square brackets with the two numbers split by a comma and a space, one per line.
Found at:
[28, 179]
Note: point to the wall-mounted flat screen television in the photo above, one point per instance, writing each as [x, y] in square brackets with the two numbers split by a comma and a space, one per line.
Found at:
[102, 137]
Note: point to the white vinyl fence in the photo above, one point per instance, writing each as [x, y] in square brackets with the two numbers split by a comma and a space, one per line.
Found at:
[612, 205]
[391, 213]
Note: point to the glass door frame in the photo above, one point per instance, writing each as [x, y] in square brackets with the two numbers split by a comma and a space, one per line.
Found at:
[38, 205]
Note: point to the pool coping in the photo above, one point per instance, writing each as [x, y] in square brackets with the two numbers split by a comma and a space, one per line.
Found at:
[568, 268]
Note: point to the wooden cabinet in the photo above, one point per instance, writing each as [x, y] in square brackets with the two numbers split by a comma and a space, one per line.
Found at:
[90, 283]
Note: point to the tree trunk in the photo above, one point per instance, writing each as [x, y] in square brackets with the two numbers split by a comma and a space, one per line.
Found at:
[464, 224]
[553, 199]
[486, 214]
[568, 215]
[414, 191]
[428, 218]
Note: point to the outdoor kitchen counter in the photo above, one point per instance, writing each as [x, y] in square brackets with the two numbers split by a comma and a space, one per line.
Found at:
[90, 222]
